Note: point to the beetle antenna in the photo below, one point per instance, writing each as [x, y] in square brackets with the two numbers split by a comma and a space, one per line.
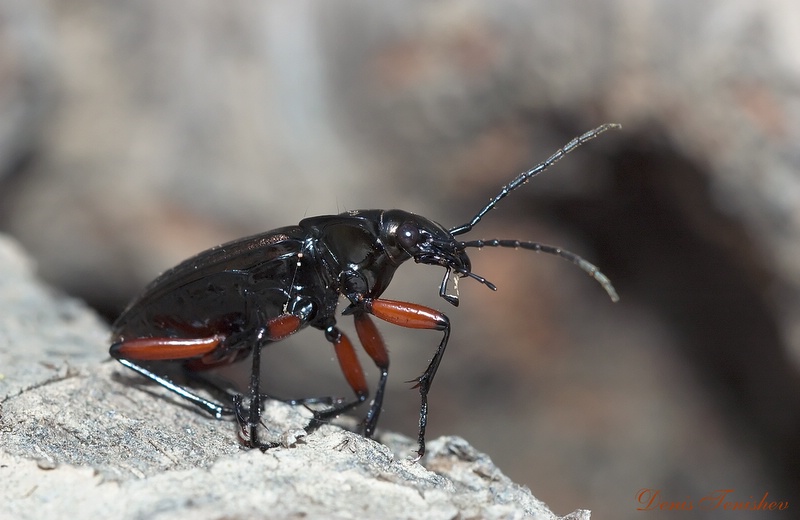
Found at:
[586, 266]
[524, 177]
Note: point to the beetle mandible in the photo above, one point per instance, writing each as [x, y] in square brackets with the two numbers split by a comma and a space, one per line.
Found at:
[232, 300]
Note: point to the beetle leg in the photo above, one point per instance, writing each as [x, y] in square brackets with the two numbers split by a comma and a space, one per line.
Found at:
[249, 425]
[373, 344]
[275, 329]
[163, 349]
[415, 316]
[353, 374]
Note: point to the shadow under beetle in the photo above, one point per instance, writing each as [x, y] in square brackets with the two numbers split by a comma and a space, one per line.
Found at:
[230, 301]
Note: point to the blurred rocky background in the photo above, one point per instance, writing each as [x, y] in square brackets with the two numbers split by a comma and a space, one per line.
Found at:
[135, 134]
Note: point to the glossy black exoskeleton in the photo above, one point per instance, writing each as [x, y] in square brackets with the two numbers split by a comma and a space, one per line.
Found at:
[230, 301]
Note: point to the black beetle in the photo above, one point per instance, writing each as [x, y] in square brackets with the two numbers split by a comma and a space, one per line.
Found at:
[232, 300]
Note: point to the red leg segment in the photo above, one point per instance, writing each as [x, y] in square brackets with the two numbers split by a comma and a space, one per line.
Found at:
[173, 349]
[405, 314]
[351, 367]
[371, 340]
[164, 349]
[283, 326]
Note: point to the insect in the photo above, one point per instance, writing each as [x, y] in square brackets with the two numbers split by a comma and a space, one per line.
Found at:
[233, 300]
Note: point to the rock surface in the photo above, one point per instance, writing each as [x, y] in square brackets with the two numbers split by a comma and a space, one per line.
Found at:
[81, 438]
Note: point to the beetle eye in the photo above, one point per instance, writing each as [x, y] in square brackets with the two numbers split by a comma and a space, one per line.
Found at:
[408, 235]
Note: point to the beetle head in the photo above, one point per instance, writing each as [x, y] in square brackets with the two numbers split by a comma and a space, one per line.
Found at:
[406, 235]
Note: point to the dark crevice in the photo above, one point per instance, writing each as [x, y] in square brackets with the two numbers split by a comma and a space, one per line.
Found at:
[660, 238]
